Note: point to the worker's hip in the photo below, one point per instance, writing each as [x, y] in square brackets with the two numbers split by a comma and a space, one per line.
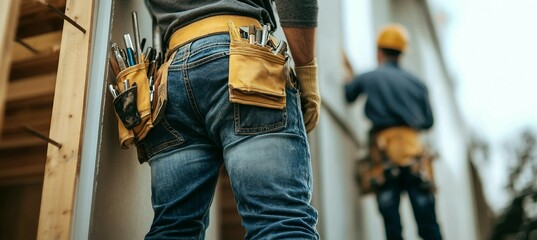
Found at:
[199, 108]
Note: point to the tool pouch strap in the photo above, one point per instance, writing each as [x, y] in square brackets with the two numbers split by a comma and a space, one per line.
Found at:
[205, 27]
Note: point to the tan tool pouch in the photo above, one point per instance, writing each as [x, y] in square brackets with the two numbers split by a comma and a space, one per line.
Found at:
[256, 75]
[401, 144]
[133, 107]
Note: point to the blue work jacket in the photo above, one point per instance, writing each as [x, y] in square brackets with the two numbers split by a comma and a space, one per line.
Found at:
[394, 97]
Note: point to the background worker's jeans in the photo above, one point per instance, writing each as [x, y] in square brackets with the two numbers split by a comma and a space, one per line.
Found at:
[422, 201]
[265, 152]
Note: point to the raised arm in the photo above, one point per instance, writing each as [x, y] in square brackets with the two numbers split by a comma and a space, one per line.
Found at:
[298, 19]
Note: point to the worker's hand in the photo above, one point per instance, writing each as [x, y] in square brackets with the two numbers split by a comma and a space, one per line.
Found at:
[310, 98]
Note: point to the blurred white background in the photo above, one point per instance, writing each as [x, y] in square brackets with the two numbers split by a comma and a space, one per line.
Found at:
[490, 48]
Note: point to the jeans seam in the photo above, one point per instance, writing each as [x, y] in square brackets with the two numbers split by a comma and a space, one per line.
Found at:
[216, 44]
[188, 88]
[183, 56]
[152, 151]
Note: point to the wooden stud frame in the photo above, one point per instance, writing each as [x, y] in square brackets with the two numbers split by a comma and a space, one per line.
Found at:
[62, 164]
[9, 15]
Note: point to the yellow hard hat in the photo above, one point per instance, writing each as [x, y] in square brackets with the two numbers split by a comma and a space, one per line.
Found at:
[393, 36]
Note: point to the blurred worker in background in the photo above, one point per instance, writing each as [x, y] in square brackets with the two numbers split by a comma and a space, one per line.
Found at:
[398, 107]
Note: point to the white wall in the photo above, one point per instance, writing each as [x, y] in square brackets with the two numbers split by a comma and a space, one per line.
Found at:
[122, 201]
[335, 194]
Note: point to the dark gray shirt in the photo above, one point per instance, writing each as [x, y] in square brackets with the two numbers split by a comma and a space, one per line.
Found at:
[171, 15]
[394, 98]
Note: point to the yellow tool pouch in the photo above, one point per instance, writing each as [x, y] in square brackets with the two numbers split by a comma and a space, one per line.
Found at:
[401, 144]
[133, 107]
[257, 76]
[393, 148]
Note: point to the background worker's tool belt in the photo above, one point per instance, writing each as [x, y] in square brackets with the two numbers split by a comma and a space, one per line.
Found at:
[400, 144]
[390, 149]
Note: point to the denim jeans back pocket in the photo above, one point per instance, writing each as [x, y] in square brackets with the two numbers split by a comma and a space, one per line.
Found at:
[163, 137]
[250, 120]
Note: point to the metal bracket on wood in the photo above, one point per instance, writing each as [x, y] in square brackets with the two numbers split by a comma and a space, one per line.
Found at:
[40, 135]
[62, 15]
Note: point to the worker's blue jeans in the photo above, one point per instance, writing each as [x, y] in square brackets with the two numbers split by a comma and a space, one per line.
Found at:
[422, 201]
[265, 152]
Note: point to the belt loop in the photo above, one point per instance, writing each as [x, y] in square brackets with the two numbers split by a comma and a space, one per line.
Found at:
[169, 52]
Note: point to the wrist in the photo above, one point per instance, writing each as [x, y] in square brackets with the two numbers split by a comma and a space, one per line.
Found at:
[309, 63]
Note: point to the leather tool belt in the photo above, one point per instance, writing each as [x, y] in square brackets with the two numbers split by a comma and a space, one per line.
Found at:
[399, 144]
[390, 149]
[206, 27]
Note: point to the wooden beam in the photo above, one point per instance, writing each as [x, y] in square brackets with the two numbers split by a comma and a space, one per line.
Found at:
[36, 14]
[34, 116]
[31, 87]
[22, 180]
[22, 167]
[21, 143]
[62, 164]
[8, 21]
[34, 169]
[45, 44]
[30, 103]
[30, 156]
[29, 7]
[39, 64]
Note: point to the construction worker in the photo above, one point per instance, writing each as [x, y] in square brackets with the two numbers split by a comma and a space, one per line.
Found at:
[398, 106]
[233, 103]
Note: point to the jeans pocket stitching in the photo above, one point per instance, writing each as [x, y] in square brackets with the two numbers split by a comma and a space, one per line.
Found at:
[178, 140]
[257, 130]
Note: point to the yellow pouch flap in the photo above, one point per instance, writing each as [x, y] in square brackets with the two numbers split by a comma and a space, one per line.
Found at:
[256, 75]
